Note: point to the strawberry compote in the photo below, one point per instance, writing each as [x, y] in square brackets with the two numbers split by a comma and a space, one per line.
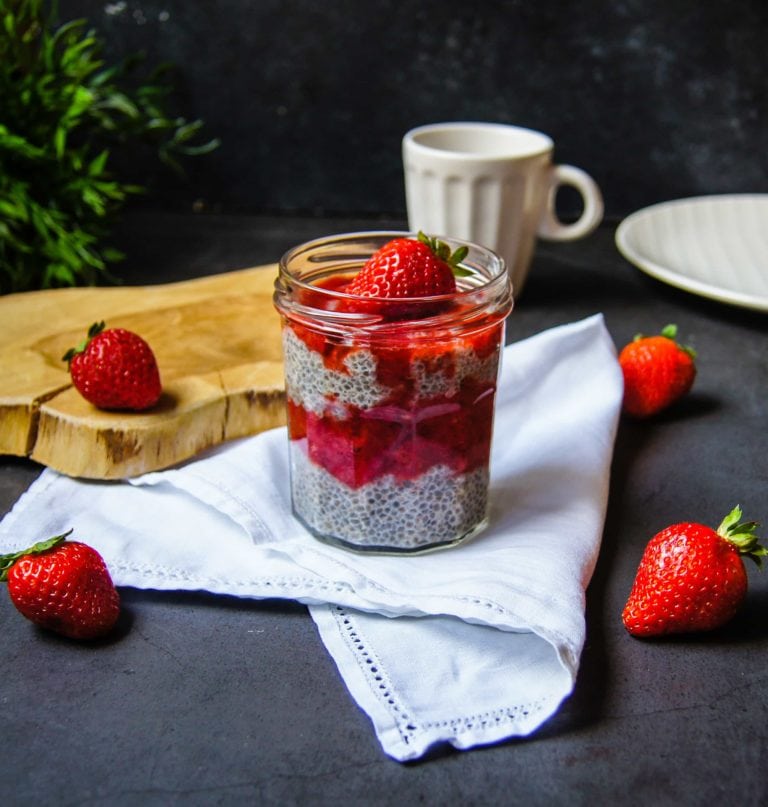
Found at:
[390, 402]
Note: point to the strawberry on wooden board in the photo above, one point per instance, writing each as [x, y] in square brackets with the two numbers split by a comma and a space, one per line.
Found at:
[114, 368]
[692, 578]
[657, 372]
[410, 267]
[63, 586]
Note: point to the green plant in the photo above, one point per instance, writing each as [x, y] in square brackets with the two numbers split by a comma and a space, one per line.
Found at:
[64, 114]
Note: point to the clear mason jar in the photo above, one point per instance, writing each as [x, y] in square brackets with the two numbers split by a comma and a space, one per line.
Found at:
[390, 402]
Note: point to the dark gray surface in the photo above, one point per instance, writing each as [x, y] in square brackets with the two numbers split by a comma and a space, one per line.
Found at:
[310, 100]
[211, 700]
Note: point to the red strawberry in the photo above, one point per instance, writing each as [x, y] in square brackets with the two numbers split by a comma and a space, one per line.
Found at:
[410, 267]
[115, 369]
[692, 578]
[64, 586]
[657, 371]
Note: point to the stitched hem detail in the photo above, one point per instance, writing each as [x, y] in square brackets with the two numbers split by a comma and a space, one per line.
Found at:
[407, 725]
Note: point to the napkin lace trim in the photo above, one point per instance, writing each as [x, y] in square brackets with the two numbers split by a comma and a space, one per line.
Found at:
[407, 727]
[151, 574]
[125, 574]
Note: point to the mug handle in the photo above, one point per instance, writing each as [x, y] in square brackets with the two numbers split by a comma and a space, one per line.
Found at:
[550, 226]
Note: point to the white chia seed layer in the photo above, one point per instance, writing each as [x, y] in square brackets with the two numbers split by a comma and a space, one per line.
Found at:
[431, 382]
[312, 385]
[436, 508]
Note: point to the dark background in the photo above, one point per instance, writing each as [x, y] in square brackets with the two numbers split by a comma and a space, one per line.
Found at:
[310, 98]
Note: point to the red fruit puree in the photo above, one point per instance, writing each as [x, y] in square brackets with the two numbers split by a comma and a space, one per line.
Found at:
[405, 434]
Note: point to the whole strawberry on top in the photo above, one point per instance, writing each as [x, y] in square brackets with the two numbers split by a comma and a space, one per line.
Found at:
[692, 578]
[410, 267]
[63, 586]
[115, 368]
[657, 372]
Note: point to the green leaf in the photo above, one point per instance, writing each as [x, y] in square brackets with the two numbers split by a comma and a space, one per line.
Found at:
[186, 131]
[120, 103]
[58, 274]
[60, 141]
[19, 144]
[12, 210]
[67, 120]
[205, 148]
[97, 165]
[6, 561]
[670, 331]
[742, 535]
[81, 100]
[443, 251]
[68, 29]
[95, 201]
[112, 255]
[104, 76]
[730, 521]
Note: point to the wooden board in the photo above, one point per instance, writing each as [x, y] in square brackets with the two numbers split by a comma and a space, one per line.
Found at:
[217, 343]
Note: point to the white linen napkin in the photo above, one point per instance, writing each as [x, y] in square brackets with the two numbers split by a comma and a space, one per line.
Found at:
[488, 636]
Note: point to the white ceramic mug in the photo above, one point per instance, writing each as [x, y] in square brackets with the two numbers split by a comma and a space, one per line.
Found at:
[495, 185]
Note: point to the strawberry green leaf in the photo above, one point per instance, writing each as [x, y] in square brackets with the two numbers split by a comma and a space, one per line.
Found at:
[94, 330]
[443, 251]
[670, 331]
[730, 521]
[742, 535]
[6, 561]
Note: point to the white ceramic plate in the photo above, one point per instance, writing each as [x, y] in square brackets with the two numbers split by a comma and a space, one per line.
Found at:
[714, 246]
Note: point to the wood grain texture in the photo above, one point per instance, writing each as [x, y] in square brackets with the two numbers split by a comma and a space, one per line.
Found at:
[217, 343]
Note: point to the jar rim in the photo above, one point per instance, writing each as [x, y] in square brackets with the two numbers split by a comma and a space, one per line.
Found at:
[497, 277]
[298, 298]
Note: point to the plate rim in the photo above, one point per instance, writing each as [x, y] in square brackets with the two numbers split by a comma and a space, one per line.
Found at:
[675, 277]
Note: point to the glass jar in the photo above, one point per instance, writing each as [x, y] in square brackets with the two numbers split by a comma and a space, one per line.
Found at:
[390, 402]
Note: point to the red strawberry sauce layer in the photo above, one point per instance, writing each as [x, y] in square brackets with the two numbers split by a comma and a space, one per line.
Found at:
[400, 440]
[431, 402]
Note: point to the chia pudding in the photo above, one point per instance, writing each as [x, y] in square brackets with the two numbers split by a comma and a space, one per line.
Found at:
[390, 409]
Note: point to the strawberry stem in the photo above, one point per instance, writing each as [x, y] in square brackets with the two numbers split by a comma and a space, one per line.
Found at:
[443, 251]
[6, 561]
[95, 329]
[742, 535]
[669, 332]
